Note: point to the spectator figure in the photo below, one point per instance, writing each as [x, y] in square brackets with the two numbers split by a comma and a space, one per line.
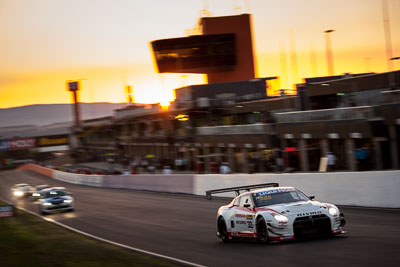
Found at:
[213, 167]
[151, 168]
[224, 168]
[279, 164]
[362, 157]
[167, 170]
[331, 161]
[199, 167]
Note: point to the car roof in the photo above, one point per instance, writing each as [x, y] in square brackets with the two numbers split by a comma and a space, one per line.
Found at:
[55, 188]
[23, 184]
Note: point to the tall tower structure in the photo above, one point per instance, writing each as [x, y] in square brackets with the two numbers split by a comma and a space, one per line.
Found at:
[73, 87]
[240, 26]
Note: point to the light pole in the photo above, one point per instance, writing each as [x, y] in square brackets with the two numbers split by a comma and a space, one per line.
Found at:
[392, 78]
[74, 87]
[329, 57]
[395, 58]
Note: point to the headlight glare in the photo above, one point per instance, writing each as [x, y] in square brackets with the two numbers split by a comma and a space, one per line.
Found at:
[18, 193]
[67, 200]
[46, 204]
[280, 218]
[333, 211]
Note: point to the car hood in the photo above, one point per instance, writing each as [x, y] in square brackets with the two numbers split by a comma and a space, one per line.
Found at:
[298, 209]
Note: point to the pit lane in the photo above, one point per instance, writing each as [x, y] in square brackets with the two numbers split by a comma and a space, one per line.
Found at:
[183, 227]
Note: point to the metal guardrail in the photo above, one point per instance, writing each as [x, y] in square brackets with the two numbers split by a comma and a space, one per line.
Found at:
[347, 113]
[257, 128]
[389, 97]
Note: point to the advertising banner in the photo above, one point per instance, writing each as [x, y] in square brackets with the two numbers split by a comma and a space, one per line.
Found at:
[52, 141]
[6, 211]
[15, 144]
[23, 143]
[3, 145]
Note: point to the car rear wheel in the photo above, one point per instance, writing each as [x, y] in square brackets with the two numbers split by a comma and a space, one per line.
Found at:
[222, 230]
[262, 231]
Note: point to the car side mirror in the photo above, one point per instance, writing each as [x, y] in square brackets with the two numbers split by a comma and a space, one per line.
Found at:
[247, 205]
[311, 197]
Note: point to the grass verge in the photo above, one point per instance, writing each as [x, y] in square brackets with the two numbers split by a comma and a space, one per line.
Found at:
[26, 240]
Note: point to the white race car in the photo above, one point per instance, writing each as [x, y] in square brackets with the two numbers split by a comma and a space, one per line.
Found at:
[21, 190]
[55, 199]
[267, 212]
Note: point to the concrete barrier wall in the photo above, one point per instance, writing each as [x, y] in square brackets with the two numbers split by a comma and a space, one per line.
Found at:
[177, 183]
[66, 177]
[91, 180]
[369, 189]
[36, 168]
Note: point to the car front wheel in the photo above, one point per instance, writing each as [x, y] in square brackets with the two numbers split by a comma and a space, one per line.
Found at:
[42, 212]
[262, 231]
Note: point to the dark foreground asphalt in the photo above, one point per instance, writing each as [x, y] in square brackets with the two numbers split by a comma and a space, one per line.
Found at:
[183, 227]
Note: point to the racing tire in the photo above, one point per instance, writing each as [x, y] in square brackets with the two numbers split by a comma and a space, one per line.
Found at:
[262, 231]
[222, 230]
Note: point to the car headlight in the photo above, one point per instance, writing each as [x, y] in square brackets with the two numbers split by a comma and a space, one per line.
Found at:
[46, 204]
[67, 200]
[281, 218]
[18, 193]
[333, 211]
[36, 194]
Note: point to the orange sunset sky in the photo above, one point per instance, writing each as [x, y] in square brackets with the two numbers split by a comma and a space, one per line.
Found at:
[46, 42]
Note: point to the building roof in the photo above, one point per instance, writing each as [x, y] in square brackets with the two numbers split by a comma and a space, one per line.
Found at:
[22, 131]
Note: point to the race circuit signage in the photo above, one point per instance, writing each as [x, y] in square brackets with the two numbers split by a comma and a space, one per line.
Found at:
[45, 141]
[16, 144]
[6, 211]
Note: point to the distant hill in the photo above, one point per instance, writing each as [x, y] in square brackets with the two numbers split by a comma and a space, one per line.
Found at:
[53, 113]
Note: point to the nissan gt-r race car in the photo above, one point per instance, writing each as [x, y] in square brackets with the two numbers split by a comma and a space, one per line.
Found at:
[267, 212]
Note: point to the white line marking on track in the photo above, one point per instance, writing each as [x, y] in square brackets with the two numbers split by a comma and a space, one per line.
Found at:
[187, 263]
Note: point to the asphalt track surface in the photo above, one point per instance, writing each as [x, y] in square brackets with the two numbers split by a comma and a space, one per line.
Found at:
[183, 227]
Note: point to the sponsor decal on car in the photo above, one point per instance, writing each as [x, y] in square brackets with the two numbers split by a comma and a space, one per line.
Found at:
[274, 191]
[311, 213]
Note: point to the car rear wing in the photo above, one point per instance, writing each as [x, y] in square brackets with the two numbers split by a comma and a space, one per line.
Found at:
[238, 189]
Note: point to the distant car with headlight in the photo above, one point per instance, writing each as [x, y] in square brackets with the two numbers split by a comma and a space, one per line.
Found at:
[36, 193]
[55, 199]
[267, 212]
[21, 190]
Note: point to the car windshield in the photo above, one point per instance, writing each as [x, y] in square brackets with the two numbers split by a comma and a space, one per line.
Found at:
[55, 193]
[41, 187]
[20, 185]
[278, 196]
